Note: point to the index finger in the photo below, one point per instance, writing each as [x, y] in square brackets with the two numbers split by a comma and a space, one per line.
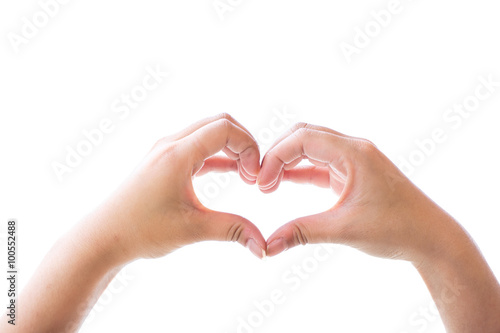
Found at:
[199, 124]
[326, 147]
[223, 134]
[303, 125]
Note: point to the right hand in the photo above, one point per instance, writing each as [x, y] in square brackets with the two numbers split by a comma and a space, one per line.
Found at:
[379, 210]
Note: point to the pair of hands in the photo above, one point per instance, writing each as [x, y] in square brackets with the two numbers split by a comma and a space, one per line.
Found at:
[379, 210]
[156, 211]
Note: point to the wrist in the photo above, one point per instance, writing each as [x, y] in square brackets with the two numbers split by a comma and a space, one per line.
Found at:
[102, 238]
[461, 283]
[444, 241]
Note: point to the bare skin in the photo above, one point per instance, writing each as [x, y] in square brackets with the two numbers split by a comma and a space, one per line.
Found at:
[156, 211]
[153, 213]
[382, 213]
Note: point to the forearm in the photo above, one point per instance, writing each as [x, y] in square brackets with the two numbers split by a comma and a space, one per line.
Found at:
[68, 282]
[462, 285]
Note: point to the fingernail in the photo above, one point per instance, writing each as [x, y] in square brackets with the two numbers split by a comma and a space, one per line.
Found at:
[276, 246]
[256, 249]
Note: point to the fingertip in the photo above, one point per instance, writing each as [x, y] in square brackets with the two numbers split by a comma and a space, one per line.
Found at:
[253, 240]
[271, 186]
[247, 181]
[250, 162]
[264, 254]
[271, 174]
[245, 175]
[259, 178]
[256, 249]
[276, 247]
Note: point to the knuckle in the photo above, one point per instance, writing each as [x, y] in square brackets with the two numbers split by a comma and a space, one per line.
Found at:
[366, 147]
[298, 126]
[235, 231]
[163, 145]
[299, 234]
[224, 116]
[163, 150]
[162, 142]
[370, 142]
[225, 123]
[300, 133]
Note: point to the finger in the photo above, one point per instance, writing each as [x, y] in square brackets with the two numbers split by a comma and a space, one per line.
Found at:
[199, 124]
[249, 179]
[244, 175]
[274, 186]
[223, 164]
[323, 147]
[233, 228]
[318, 176]
[302, 125]
[294, 163]
[326, 227]
[217, 164]
[220, 135]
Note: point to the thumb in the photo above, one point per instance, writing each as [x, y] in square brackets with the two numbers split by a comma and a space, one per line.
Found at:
[233, 228]
[326, 227]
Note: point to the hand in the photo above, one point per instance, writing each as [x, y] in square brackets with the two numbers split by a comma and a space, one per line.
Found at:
[153, 213]
[156, 211]
[157, 208]
[379, 211]
[382, 213]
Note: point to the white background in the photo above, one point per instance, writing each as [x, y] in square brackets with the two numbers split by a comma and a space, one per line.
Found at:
[264, 56]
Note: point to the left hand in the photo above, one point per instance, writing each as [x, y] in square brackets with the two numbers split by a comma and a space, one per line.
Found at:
[156, 210]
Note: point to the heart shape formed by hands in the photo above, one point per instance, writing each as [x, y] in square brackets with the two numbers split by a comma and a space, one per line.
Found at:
[366, 182]
[372, 211]
[280, 163]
